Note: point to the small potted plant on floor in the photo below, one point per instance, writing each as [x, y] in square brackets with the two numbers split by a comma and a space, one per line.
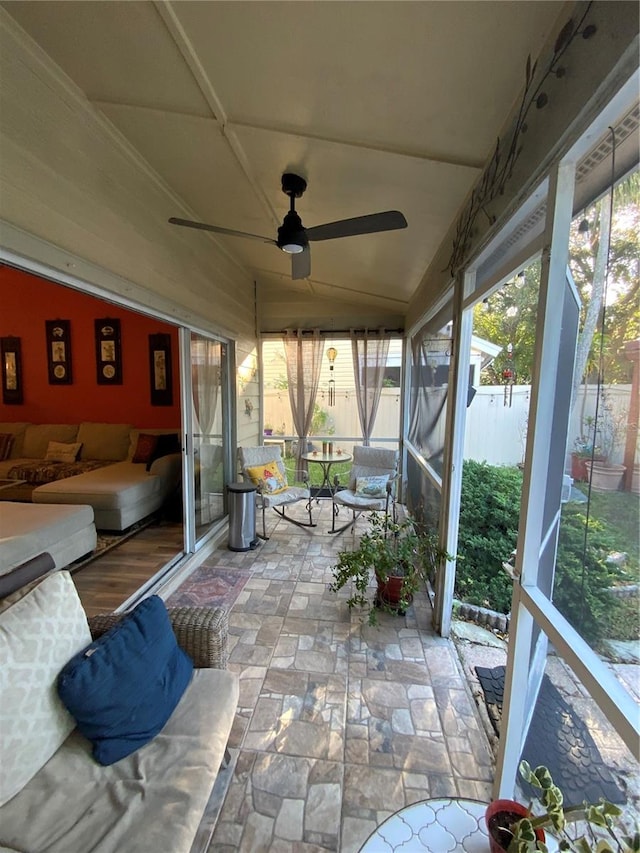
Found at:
[401, 556]
[514, 828]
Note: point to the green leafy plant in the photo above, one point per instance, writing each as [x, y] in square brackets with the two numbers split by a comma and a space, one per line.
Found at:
[596, 828]
[390, 550]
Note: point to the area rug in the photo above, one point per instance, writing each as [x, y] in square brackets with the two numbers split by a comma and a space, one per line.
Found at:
[107, 540]
[210, 587]
[557, 738]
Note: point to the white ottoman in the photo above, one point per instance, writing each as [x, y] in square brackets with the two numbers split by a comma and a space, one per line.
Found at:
[26, 530]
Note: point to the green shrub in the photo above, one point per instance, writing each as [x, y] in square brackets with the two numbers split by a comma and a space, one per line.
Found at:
[488, 532]
[583, 576]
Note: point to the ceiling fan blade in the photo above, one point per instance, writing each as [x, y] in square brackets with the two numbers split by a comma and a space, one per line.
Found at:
[189, 223]
[388, 220]
[301, 264]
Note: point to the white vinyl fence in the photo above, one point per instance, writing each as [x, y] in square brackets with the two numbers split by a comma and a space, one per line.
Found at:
[495, 433]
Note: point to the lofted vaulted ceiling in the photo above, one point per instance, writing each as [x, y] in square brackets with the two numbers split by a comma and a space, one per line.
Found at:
[378, 105]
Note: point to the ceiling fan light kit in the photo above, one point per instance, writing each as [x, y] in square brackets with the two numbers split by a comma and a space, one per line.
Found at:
[293, 237]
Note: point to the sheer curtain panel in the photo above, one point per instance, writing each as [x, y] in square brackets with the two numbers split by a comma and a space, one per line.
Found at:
[370, 351]
[303, 354]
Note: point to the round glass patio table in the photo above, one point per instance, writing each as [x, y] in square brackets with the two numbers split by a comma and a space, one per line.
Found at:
[326, 460]
[447, 825]
[437, 826]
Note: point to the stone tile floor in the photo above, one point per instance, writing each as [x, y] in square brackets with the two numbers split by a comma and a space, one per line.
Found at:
[339, 724]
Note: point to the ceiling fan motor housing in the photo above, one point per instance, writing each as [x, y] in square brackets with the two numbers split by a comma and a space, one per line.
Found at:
[292, 232]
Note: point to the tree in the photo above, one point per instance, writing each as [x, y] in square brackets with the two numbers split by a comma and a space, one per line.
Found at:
[509, 315]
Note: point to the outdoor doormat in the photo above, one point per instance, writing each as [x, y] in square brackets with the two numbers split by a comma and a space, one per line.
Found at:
[557, 738]
[209, 587]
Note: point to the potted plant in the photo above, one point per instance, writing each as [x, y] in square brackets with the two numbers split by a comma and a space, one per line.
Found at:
[401, 556]
[604, 474]
[583, 451]
[268, 429]
[514, 828]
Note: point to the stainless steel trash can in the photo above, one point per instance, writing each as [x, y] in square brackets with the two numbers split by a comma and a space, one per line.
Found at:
[242, 516]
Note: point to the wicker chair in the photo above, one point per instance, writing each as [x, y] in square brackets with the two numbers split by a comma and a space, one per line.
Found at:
[271, 455]
[202, 632]
[368, 462]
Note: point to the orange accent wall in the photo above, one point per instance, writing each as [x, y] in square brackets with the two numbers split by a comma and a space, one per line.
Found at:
[26, 301]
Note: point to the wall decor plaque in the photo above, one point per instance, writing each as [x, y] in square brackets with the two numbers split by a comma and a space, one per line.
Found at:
[160, 374]
[108, 351]
[59, 351]
[11, 355]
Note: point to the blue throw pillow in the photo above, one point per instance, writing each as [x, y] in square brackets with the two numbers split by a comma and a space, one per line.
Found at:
[123, 688]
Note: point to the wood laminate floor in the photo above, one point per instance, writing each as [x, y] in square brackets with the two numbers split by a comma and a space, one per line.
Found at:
[108, 581]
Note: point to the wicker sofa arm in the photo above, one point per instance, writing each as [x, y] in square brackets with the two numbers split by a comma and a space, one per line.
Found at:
[202, 632]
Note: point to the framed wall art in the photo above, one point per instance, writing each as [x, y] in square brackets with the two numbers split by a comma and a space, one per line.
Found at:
[59, 351]
[11, 371]
[160, 374]
[108, 351]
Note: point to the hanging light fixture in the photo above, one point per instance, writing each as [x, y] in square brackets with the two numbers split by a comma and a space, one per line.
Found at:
[332, 353]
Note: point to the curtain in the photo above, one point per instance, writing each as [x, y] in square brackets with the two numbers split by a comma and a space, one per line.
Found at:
[303, 358]
[430, 357]
[370, 351]
[205, 380]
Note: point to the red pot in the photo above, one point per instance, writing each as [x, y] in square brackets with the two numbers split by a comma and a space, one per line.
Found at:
[501, 814]
[390, 593]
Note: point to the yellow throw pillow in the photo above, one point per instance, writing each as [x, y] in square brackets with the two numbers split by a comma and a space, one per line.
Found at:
[270, 478]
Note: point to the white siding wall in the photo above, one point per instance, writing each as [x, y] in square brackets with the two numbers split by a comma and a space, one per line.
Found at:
[70, 179]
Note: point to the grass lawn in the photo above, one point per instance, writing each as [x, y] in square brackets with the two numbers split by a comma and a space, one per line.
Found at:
[315, 472]
[621, 513]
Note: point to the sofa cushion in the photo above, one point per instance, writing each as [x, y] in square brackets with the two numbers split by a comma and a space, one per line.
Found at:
[38, 436]
[38, 635]
[145, 448]
[104, 441]
[6, 441]
[167, 444]
[60, 451]
[150, 801]
[17, 430]
[25, 573]
[123, 688]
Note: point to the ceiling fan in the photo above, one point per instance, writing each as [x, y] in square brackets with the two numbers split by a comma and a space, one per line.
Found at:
[294, 238]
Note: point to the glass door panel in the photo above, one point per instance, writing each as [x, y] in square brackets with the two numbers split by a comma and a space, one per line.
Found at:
[208, 366]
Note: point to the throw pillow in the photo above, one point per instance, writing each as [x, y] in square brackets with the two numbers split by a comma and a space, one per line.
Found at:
[372, 487]
[59, 451]
[38, 634]
[270, 478]
[145, 448]
[6, 441]
[123, 688]
[167, 443]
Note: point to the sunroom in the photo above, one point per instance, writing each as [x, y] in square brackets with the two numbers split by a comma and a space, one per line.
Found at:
[117, 117]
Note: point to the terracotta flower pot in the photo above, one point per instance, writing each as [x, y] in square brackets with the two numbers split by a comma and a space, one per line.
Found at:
[390, 593]
[605, 478]
[500, 814]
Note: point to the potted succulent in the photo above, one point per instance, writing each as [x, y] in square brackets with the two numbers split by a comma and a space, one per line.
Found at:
[401, 556]
[514, 828]
[268, 429]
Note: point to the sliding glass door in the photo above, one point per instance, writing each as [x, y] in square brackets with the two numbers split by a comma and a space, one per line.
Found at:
[208, 418]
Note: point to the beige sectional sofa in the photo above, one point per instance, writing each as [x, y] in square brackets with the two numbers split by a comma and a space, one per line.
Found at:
[54, 796]
[66, 533]
[104, 476]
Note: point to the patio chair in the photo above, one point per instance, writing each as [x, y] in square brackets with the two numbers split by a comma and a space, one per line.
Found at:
[372, 485]
[263, 466]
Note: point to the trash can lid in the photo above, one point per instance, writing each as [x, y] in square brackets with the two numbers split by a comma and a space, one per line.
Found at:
[241, 487]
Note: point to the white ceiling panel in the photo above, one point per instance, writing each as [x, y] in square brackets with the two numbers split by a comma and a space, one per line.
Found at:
[378, 105]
